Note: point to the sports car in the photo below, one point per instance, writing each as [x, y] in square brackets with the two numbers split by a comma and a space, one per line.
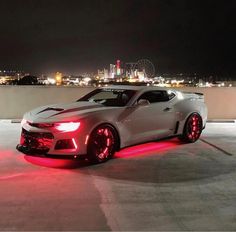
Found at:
[111, 118]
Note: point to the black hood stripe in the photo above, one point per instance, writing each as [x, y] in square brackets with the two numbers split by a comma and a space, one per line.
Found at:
[77, 109]
[50, 108]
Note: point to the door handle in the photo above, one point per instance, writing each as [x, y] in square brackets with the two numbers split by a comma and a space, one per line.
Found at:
[167, 109]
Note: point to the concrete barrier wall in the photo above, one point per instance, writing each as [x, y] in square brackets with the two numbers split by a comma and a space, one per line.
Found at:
[220, 101]
[16, 100]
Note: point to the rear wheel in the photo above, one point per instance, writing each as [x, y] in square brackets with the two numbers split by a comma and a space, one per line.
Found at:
[192, 129]
[102, 144]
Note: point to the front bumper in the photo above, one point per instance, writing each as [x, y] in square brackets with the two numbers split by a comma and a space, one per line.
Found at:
[47, 143]
[39, 142]
[38, 153]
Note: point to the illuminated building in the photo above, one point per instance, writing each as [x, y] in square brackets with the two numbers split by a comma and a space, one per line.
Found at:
[58, 78]
[103, 74]
[7, 76]
[118, 71]
[112, 71]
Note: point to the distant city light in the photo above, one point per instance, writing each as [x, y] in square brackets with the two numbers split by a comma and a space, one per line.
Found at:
[58, 78]
[51, 81]
[120, 73]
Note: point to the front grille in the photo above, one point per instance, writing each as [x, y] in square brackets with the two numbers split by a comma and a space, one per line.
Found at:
[41, 141]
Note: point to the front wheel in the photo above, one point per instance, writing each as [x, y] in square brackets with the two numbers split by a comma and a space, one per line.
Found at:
[102, 144]
[192, 129]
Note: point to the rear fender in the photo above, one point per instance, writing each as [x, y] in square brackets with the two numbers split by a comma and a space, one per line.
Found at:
[182, 122]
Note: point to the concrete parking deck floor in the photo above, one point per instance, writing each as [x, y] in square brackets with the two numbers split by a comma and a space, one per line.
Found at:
[156, 186]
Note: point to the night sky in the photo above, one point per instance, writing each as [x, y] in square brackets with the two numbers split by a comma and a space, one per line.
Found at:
[72, 37]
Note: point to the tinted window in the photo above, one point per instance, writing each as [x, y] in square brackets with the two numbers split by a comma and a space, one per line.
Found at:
[109, 97]
[155, 96]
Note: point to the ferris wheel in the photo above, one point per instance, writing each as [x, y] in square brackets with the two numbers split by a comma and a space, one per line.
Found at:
[146, 66]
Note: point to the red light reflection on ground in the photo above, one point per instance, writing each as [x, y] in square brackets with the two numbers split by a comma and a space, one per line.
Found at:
[51, 162]
[148, 148]
[134, 151]
[7, 155]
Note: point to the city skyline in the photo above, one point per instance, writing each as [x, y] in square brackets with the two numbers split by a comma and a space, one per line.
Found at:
[83, 36]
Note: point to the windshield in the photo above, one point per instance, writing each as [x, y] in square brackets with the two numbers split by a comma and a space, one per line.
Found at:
[109, 97]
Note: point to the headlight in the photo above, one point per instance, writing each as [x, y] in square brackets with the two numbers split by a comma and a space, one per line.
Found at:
[67, 126]
[63, 126]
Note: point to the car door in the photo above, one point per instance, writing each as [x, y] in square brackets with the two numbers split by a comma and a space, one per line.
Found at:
[153, 120]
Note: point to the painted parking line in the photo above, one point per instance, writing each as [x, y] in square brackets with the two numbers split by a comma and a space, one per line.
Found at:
[216, 147]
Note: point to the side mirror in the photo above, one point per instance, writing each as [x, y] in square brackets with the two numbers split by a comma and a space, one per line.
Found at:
[143, 102]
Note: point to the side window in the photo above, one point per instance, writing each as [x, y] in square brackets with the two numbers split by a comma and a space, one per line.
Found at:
[156, 96]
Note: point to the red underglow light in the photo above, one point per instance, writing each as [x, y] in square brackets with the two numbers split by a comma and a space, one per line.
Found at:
[67, 126]
[148, 149]
[75, 145]
[52, 163]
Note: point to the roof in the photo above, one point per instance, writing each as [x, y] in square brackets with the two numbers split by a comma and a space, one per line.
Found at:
[134, 87]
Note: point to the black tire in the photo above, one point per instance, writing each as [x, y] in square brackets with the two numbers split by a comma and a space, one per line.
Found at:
[192, 129]
[103, 143]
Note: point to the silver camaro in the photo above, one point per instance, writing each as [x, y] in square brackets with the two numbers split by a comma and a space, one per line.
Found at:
[110, 118]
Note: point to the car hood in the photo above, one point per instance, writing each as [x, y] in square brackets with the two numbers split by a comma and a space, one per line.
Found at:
[63, 111]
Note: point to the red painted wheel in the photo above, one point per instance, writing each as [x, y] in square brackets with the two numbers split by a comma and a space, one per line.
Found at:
[102, 144]
[192, 129]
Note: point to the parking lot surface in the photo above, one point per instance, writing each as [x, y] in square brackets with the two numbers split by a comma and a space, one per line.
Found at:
[163, 185]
